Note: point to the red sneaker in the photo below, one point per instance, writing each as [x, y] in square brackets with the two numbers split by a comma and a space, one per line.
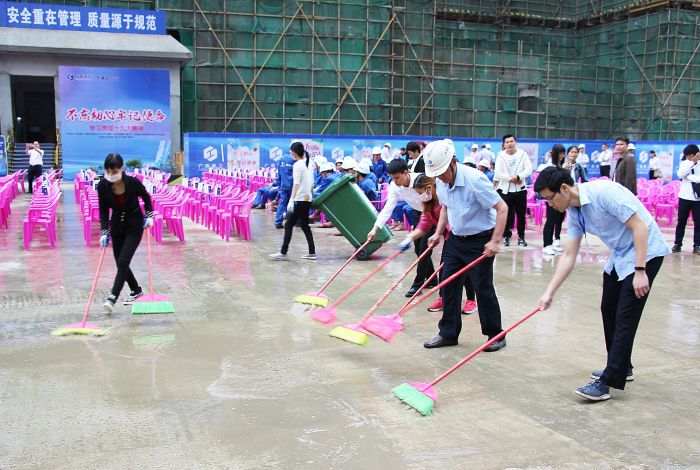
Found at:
[436, 306]
[469, 307]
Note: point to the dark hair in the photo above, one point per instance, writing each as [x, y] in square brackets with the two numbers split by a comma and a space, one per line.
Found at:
[508, 136]
[623, 139]
[396, 166]
[569, 149]
[413, 146]
[557, 154]
[552, 178]
[652, 151]
[113, 161]
[298, 148]
[422, 181]
[691, 149]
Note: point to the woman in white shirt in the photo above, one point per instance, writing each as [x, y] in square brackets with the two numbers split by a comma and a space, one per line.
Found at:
[654, 165]
[299, 202]
[688, 197]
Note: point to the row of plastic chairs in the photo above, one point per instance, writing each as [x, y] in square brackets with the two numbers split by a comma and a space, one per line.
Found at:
[8, 192]
[42, 209]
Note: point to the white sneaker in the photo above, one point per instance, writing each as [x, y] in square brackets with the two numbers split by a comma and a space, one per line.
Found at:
[556, 243]
[558, 249]
[311, 256]
[549, 250]
[278, 257]
[108, 306]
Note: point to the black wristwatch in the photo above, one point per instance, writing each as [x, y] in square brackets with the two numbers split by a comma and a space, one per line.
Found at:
[640, 268]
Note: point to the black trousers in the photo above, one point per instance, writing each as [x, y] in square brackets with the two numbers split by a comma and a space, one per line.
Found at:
[468, 287]
[33, 173]
[125, 241]
[651, 175]
[301, 214]
[605, 170]
[425, 267]
[517, 205]
[457, 253]
[685, 207]
[622, 310]
[553, 225]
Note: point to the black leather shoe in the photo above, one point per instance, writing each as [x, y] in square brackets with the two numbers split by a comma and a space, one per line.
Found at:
[496, 346]
[432, 284]
[522, 242]
[411, 291]
[506, 241]
[696, 249]
[279, 226]
[676, 249]
[439, 342]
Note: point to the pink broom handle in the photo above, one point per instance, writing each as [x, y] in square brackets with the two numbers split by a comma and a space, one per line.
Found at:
[416, 293]
[150, 270]
[364, 279]
[482, 347]
[443, 283]
[386, 294]
[94, 285]
[343, 267]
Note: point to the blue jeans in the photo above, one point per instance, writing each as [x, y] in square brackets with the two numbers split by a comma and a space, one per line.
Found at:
[412, 215]
[282, 205]
[262, 196]
[397, 213]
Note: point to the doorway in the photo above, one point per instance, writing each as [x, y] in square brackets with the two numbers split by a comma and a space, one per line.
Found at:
[34, 108]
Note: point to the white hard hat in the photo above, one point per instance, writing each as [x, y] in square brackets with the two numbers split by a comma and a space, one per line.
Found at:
[468, 158]
[438, 155]
[349, 163]
[582, 146]
[339, 160]
[387, 144]
[320, 160]
[376, 150]
[475, 146]
[328, 166]
[366, 160]
[488, 146]
[363, 167]
[631, 147]
[485, 163]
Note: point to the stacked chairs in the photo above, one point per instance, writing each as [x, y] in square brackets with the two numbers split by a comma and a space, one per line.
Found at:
[8, 192]
[42, 211]
[536, 208]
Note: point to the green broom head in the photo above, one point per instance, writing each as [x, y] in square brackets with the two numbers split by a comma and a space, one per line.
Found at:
[414, 398]
[68, 331]
[352, 333]
[311, 299]
[150, 308]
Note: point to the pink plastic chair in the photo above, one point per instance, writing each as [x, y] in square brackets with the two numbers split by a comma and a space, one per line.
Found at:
[242, 219]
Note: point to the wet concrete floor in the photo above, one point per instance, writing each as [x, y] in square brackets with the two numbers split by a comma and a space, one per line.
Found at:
[240, 377]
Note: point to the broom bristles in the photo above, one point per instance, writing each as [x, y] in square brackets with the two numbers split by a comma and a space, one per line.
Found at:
[350, 335]
[380, 329]
[145, 308]
[324, 315]
[66, 331]
[311, 300]
[417, 400]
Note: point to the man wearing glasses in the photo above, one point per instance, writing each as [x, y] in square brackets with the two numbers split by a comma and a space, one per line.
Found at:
[637, 249]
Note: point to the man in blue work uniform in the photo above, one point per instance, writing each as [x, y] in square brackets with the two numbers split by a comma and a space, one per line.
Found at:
[327, 177]
[477, 217]
[366, 184]
[379, 166]
[284, 183]
[637, 249]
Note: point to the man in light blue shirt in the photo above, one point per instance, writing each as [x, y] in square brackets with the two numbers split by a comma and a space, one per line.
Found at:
[477, 217]
[637, 249]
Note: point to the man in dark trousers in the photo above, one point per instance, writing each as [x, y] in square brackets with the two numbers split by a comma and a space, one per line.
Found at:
[36, 162]
[477, 217]
[626, 168]
[637, 250]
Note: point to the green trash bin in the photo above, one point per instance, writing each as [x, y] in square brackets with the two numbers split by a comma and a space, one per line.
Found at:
[351, 212]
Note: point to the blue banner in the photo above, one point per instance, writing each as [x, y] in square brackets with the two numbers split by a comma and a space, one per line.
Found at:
[77, 18]
[104, 110]
[3, 156]
[251, 151]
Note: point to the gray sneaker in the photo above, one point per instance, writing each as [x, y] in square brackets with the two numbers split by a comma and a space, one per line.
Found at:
[311, 256]
[279, 257]
[597, 373]
[108, 306]
[133, 296]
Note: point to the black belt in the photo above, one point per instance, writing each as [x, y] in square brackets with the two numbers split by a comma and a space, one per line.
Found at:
[485, 233]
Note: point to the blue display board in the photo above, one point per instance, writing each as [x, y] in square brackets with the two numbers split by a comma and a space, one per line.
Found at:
[3, 156]
[250, 151]
[78, 18]
[105, 110]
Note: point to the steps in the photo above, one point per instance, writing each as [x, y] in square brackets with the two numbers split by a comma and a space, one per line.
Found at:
[19, 160]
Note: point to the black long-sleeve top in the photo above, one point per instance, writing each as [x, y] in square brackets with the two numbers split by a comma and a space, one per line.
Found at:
[133, 189]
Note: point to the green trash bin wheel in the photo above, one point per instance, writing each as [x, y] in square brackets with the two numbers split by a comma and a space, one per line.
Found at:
[364, 255]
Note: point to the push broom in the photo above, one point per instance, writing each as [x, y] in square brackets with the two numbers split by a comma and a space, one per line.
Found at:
[354, 332]
[388, 327]
[422, 397]
[327, 314]
[318, 297]
[151, 303]
[85, 328]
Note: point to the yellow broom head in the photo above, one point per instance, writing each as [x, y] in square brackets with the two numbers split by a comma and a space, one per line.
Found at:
[67, 331]
[311, 300]
[349, 334]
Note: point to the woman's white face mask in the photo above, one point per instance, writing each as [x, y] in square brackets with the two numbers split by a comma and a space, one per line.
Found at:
[113, 178]
[426, 196]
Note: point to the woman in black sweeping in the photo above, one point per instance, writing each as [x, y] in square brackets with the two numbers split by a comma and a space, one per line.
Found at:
[121, 193]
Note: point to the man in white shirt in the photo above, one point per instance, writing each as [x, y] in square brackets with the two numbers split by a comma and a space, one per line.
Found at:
[386, 153]
[473, 157]
[513, 166]
[605, 158]
[486, 153]
[36, 155]
[583, 156]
